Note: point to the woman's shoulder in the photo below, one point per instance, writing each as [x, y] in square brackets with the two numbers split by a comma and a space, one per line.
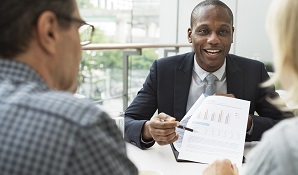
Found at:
[276, 151]
[287, 127]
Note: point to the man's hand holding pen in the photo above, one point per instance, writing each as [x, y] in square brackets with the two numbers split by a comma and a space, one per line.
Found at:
[161, 128]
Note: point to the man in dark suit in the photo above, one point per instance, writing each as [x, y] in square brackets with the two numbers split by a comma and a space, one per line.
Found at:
[175, 83]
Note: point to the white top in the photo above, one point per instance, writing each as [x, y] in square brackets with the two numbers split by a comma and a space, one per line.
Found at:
[277, 153]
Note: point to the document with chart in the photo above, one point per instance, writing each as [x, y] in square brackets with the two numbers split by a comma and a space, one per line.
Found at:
[219, 129]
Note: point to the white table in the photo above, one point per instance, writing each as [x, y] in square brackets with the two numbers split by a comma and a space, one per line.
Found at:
[161, 158]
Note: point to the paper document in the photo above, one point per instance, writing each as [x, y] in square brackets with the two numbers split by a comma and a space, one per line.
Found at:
[184, 121]
[219, 125]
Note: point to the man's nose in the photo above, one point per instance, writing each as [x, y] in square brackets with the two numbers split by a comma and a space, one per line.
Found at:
[213, 38]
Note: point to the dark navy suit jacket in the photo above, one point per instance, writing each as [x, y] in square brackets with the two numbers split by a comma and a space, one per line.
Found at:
[167, 86]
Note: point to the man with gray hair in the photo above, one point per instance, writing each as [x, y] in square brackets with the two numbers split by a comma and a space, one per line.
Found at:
[44, 129]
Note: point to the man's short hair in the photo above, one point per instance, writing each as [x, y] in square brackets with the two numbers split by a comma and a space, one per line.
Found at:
[206, 3]
[18, 18]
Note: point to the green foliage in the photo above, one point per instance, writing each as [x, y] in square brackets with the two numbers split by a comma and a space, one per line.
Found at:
[84, 4]
[269, 66]
[101, 59]
[143, 61]
[99, 37]
[95, 63]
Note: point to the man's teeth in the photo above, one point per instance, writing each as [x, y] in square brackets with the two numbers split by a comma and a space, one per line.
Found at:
[212, 51]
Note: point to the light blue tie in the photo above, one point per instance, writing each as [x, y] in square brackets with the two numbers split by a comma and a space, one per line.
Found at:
[210, 88]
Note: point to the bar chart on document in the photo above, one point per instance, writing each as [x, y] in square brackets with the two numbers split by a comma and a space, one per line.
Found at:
[213, 123]
[219, 129]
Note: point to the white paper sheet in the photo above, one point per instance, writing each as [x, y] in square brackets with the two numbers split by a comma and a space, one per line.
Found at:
[219, 125]
[184, 121]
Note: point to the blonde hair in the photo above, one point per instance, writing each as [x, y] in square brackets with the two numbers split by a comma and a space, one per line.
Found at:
[282, 27]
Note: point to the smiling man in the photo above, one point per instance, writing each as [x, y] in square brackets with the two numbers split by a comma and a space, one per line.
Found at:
[175, 83]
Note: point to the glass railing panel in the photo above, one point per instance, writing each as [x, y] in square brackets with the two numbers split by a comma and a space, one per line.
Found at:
[101, 76]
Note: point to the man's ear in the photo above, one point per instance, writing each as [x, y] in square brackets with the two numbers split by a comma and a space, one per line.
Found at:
[189, 35]
[47, 31]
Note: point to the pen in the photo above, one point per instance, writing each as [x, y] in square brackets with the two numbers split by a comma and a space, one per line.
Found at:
[180, 126]
[185, 128]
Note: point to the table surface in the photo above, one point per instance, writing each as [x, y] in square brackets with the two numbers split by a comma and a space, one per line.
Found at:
[161, 158]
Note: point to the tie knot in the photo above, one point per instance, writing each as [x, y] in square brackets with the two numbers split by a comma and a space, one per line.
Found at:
[210, 78]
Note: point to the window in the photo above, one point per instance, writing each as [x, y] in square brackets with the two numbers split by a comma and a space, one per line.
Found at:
[117, 21]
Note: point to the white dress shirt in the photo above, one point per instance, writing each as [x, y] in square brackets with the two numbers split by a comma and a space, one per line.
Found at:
[198, 82]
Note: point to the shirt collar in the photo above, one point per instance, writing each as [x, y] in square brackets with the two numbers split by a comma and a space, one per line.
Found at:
[19, 72]
[202, 73]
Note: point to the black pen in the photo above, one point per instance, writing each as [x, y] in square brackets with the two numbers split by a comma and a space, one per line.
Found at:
[185, 128]
[180, 126]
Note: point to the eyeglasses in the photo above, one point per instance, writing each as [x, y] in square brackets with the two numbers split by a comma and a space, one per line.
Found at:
[86, 31]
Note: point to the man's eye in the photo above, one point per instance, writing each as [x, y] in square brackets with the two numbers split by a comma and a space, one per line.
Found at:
[223, 32]
[203, 31]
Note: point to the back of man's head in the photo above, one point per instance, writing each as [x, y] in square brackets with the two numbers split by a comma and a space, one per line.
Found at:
[18, 19]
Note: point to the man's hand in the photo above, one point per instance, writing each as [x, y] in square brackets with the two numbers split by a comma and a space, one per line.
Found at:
[162, 128]
[249, 123]
[221, 167]
[226, 95]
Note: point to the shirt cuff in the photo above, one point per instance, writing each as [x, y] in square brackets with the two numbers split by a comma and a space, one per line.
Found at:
[142, 141]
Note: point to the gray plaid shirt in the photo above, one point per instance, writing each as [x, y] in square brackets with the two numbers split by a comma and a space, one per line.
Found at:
[43, 131]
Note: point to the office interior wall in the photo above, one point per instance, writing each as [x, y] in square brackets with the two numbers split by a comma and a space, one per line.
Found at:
[250, 38]
[168, 21]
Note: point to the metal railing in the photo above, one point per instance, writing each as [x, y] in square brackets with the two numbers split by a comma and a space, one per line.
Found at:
[133, 49]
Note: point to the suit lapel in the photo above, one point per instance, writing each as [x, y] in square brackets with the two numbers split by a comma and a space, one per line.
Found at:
[183, 76]
[234, 78]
